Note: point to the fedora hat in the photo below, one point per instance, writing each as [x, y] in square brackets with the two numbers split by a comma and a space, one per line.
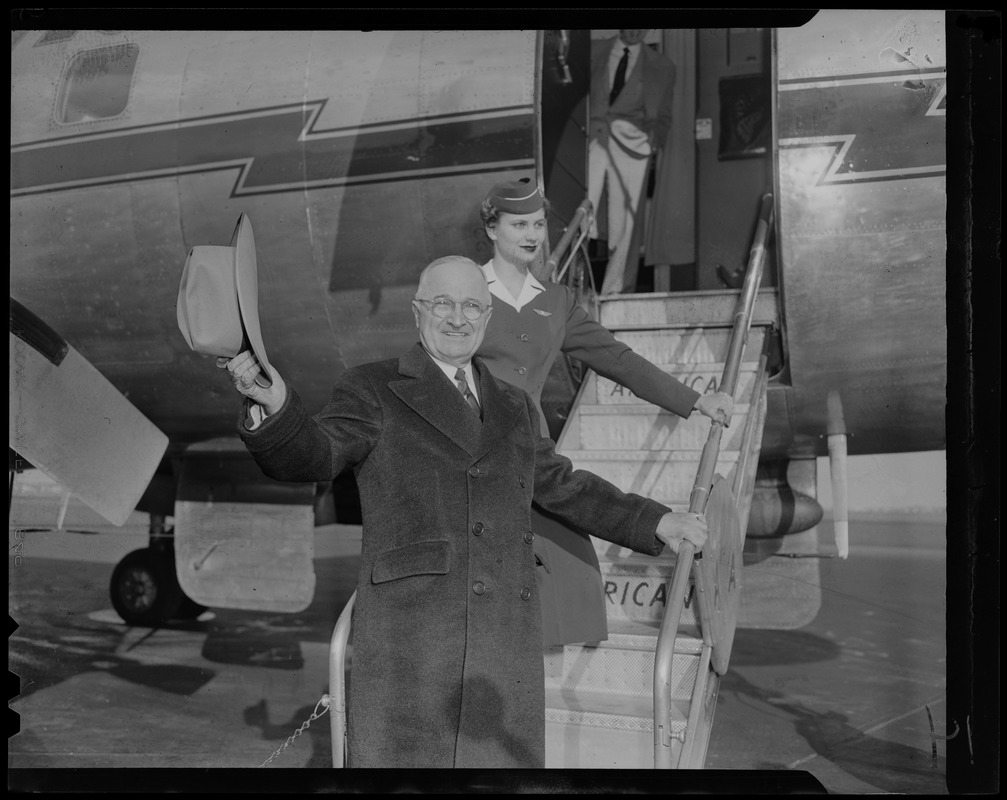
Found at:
[218, 300]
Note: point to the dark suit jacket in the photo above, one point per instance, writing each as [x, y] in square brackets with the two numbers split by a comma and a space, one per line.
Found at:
[447, 657]
[658, 74]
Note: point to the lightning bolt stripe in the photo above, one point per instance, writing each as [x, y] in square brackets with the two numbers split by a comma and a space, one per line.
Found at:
[881, 127]
[279, 149]
[842, 145]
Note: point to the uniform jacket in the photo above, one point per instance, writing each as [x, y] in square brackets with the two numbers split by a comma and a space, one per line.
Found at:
[658, 75]
[447, 661]
[520, 348]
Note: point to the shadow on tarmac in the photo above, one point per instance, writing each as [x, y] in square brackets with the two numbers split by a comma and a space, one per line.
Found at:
[889, 766]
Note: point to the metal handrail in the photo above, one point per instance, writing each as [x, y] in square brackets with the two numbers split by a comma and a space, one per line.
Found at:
[579, 226]
[337, 682]
[679, 583]
[744, 478]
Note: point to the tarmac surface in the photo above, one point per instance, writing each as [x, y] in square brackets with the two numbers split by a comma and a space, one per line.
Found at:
[855, 699]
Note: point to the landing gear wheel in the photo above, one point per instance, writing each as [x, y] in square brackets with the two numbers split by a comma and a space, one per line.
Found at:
[144, 588]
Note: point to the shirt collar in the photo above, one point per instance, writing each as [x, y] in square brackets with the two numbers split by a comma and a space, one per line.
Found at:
[620, 45]
[451, 369]
[529, 291]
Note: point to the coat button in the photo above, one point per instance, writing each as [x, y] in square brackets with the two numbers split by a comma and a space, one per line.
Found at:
[522, 371]
[525, 593]
[523, 337]
[479, 587]
[477, 529]
[474, 472]
[528, 536]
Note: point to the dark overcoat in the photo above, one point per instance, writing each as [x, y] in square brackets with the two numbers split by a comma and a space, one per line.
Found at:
[447, 659]
[520, 348]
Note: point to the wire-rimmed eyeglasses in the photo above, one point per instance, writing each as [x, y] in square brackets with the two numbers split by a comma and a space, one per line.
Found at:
[441, 308]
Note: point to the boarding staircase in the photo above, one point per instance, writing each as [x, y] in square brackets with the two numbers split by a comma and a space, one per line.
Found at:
[600, 697]
[671, 619]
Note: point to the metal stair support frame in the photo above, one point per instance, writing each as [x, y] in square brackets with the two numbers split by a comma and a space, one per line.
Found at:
[697, 504]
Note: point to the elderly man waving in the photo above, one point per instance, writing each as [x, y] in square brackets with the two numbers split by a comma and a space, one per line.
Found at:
[447, 662]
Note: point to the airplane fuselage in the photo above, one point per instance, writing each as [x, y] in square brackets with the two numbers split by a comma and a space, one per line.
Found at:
[366, 156]
[359, 162]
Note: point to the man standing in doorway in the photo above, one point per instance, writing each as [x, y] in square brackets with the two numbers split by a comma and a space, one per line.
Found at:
[631, 94]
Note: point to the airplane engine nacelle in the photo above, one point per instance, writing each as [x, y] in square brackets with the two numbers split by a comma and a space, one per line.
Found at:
[777, 510]
[781, 511]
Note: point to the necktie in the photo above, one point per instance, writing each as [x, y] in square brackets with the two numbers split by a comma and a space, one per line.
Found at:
[463, 387]
[620, 76]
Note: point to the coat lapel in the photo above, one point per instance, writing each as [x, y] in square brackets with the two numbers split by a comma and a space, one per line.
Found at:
[500, 410]
[428, 392]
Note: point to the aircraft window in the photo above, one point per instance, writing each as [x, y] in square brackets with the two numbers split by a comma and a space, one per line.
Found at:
[96, 84]
[54, 36]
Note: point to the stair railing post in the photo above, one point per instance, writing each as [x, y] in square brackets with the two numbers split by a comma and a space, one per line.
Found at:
[337, 682]
[664, 654]
[578, 225]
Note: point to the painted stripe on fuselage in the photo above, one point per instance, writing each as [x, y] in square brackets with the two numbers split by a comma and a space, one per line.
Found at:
[894, 76]
[887, 126]
[279, 150]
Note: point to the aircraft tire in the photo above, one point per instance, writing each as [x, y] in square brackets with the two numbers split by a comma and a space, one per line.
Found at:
[144, 588]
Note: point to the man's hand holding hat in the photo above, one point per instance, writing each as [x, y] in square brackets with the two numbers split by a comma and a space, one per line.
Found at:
[243, 369]
[218, 301]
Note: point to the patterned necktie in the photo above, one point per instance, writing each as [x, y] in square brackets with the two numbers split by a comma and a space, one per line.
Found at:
[620, 76]
[463, 387]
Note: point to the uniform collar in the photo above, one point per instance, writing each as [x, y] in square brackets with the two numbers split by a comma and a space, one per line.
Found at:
[529, 291]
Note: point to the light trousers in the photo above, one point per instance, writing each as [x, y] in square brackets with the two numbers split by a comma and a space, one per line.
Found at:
[624, 174]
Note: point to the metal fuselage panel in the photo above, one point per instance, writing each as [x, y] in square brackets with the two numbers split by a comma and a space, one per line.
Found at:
[860, 126]
[359, 158]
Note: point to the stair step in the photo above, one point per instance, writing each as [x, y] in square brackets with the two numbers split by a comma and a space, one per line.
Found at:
[633, 633]
[659, 474]
[686, 346]
[642, 635]
[617, 712]
[704, 378]
[687, 308]
[648, 428]
[609, 669]
[605, 733]
[573, 746]
[628, 634]
[640, 409]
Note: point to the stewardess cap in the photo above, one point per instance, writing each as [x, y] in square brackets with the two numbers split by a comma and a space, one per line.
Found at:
[516, 197]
